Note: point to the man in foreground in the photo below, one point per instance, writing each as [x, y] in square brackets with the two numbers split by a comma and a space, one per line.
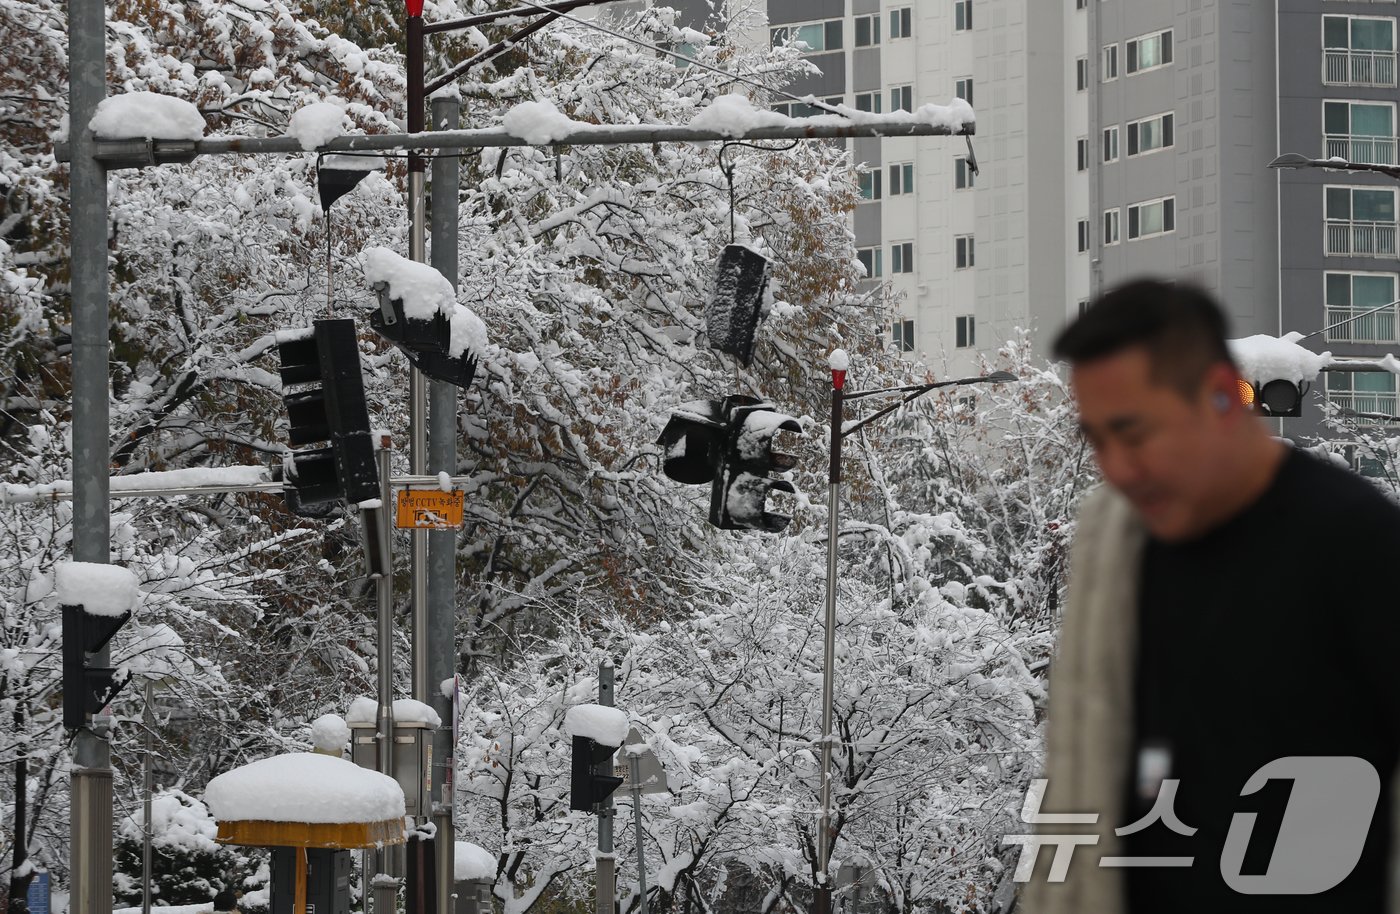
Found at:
[1230, 605]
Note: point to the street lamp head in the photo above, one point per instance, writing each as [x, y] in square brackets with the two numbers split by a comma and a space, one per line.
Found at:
[1291, 160]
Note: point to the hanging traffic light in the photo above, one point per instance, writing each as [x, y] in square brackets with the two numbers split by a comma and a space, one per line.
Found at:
[691, 439]
[419, 314]
[87, 689]
[591, 780]
[729, 444]
[736, 302]
[739, 498]
[1277, 398]
[325, 397]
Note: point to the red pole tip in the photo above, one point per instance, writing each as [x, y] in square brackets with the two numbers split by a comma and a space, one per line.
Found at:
[415, 7]
[838, 379]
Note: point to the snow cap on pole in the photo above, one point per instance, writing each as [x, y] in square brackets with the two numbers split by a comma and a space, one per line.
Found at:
[840, 363]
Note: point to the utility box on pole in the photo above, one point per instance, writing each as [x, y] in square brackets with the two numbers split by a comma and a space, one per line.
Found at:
[474, 896]
[327, 881]
[413, 759]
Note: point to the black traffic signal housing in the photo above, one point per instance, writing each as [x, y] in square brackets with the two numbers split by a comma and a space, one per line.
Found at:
[325, 397]
[87, 689]
[591, 778]
[736, 302]
[692, 439]
[426, 341]
[741, 485]
[729, 444]
[1277, 398]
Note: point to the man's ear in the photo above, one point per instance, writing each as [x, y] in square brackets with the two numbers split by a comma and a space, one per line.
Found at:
[1222, 387]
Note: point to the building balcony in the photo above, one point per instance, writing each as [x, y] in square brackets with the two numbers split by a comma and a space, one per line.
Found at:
[1343, 67]
[1380, 327]
[1375, 150]
[1360, 239]
[1366, 404]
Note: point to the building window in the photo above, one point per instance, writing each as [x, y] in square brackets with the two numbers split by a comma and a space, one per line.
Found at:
[1349, 297]
[1358, 51]
[902, 335]
[1083, 306]
[901, 23]
[901, 179]
[1368, 392]
[1081, 4]
[965, 326]
[962, 15]
[872, 102]
[1149, 52]
[902, 257]
[867, 30]
[870, 185]
[962, 88]
[802, 109]
[1359, 131]
[964, 255]
[902, 98]
[816, 36]
[1082, 227]
[1081, 154]
[1109, 68]
[1360, 221]
[1151, 217]
[1110, 226]
[1151, 134]
[962, 173]
[1081, 73]
[1110, 143]
[873, 261]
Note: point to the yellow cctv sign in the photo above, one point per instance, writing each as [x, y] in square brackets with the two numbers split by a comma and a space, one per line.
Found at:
[429, 509]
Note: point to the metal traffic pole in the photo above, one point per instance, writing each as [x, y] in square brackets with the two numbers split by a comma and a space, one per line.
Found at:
[147, 777]
[838, 383]
[441, 659]
[386, 879]
[420, 898]
[606, 862]
[635, 762]
[90, 817]
[839, 363]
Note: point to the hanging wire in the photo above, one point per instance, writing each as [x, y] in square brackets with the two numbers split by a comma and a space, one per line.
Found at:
[805, 99]
[728, 171]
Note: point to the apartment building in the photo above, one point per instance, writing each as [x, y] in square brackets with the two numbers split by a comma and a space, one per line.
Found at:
[1119, 138]
[1337, 251]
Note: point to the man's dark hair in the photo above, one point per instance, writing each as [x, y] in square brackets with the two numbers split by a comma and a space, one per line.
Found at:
[1180, 326]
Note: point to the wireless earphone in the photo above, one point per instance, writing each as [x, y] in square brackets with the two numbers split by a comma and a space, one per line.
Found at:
[1222, 403]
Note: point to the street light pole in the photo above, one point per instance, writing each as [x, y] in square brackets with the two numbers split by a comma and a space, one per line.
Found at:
[840, 364]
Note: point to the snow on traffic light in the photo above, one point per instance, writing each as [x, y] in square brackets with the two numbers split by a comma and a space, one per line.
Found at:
[729, 444]
[419, 314]
[97, 600]
[598, 732]
[1276, 372]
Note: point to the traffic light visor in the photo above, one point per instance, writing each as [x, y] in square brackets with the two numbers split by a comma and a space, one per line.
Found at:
[1280, 398]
